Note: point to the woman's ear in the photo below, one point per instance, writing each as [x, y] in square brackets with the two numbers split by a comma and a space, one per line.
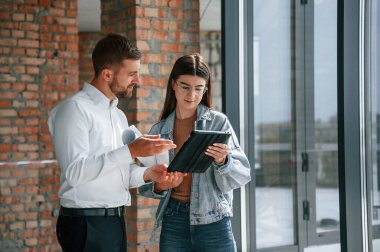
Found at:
[172, 84]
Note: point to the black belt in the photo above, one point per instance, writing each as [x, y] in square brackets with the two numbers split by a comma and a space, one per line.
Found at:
[75, 212]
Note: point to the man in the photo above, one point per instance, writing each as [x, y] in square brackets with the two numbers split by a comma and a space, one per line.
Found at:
[97, 168]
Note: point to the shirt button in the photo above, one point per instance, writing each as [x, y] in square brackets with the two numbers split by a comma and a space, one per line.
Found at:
[195, 194]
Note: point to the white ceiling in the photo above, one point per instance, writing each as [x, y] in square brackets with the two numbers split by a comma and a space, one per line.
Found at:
[89, 15]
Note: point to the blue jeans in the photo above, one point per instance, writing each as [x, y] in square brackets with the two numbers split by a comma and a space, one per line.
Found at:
[177, 235]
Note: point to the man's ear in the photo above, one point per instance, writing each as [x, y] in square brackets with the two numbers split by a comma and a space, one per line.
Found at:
[107, 75]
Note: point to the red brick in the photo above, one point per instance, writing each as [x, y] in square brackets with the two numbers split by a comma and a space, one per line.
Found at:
[167, 25]
[28, 26]
[4, 15]
[72, 47]
[71, 29]
[32, 35]
[139, 237]
[18, 87]
[143, 23]
[18, 156]
[32, 155]
[16, 225]
[44, 2]
[32, 52]
[8, 42]
[165, 3]
[8, 112]
[27, 78]
[27, 216]
[5, 122]
[18, 190]
[18, 173]
[29, 112]
[155, 58]
[57, 12]
[64, 4]
[17, 207]
[29, 17]
[32, 87]
[5, 191]
[141, 92]
[4, 51]
[31, 224]
[5, 104]
[18, 34]
[66, 21]
[31, 242]
[18, 17]
[9, 217]
[32, 70]
[161, 36]
[175, 47]
[45, 223]
[33, 61]
[72, 13]
[8, 77]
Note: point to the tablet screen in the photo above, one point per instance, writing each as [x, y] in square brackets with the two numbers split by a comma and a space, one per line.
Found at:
[191, 157]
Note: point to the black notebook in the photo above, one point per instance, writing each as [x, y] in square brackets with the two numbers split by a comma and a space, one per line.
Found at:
[191, 157]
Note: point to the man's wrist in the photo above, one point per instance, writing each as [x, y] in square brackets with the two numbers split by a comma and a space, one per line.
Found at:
[132, 150]
[146, 176]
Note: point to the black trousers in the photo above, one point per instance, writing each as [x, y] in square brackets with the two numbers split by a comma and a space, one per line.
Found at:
[91, 233]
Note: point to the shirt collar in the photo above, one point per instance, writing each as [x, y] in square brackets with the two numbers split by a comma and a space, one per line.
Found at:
[98, 97]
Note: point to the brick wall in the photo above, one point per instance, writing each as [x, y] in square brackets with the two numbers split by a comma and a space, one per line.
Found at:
[38, 68]
[87, 42]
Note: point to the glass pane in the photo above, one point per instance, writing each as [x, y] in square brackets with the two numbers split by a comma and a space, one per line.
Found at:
[325, 115]
[324, 248]
[373, 123]
[211, 45]
[274, 137]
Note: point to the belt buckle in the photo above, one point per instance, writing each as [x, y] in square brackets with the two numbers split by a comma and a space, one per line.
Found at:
[119, 211]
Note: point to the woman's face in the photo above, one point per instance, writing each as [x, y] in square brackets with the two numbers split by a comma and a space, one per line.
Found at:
[189, 91]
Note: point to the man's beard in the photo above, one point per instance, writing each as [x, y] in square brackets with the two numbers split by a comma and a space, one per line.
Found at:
[116, 89]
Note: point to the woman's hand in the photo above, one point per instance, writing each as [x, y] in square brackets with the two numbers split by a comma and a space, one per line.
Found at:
[175, 180]
[218, 152]
[158, 173]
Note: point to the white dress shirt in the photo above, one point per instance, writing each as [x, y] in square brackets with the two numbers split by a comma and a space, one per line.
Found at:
[96, 167]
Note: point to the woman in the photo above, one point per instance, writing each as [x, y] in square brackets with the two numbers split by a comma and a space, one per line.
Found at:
[195, 210]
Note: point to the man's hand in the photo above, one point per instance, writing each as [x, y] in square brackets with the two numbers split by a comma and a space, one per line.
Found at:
[149, 145]
[162, 186]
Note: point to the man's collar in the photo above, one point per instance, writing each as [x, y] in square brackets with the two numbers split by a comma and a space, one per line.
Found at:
[98, 97]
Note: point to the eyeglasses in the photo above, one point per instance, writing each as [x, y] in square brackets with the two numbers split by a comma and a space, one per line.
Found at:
[186, 89]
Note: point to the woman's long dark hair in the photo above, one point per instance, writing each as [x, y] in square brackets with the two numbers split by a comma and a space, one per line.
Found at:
[191, 64]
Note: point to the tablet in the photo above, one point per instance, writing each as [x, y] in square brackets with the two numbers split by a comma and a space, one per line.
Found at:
[191, 157]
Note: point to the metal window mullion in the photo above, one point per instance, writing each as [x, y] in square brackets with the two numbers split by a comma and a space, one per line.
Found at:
[350, 125]
[362, 113]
